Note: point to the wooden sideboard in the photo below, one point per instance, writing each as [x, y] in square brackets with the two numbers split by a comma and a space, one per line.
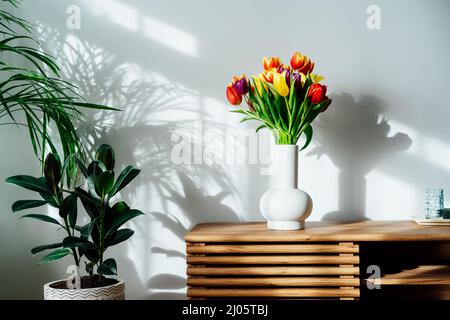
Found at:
[326, 260]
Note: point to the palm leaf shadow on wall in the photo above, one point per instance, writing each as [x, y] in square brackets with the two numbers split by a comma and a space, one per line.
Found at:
[140, 135]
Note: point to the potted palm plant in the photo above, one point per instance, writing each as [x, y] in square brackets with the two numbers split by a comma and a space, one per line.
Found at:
[34, 95]
[85, 243]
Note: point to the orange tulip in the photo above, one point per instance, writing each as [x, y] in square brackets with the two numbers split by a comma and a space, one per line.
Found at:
[301, 63]
[233, 97]
[268, 75]
[272, 62]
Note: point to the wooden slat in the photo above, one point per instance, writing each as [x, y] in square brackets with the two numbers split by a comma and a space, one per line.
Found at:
[270, 248]
[273, 281]
[274, 293]
[279, 260]
[291, 271]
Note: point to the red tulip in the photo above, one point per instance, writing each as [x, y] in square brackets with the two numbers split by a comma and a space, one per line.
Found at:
[317, 93]
[233, 97]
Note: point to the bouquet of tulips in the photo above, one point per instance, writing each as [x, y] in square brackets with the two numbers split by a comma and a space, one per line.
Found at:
[285, 99]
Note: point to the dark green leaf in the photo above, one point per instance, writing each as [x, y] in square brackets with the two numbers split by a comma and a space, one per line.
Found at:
[27, 204]
[38, 249]
[85, 231]
[92, 255]
[50, 200]
[82, 167]
[52, 171]
[126, 176]
[108, 268]
[104, 183]
[89, 203]
[120, 207]
[68, 209]
[118, 237]
[55, 255]
[76, 242]
[105, 154]
[122, 219]
[30, 183]
[42, 218]
[89, 268]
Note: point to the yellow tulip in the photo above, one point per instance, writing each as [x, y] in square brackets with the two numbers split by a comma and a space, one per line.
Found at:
[280, 85]
[260, 84]
[316, 78]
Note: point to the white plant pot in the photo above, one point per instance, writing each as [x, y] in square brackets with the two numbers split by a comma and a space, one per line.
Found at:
[112, 292]
[284, 206]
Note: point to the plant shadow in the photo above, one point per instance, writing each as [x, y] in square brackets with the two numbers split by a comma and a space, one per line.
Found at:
[355, 136]
[174, 196]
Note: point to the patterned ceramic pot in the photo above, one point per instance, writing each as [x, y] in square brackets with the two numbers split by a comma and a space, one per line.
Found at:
[112, 292]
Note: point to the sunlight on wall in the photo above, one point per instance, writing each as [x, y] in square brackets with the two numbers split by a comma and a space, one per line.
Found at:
[435, 151]
[170, 36]
[128, 17]
[389, 198]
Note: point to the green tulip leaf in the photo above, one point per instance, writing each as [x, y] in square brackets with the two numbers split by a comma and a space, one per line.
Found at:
[308, 133]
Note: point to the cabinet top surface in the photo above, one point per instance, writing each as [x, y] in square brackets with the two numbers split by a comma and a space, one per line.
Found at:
[319, 231]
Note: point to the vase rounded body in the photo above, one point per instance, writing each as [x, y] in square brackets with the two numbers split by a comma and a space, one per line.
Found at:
[284, 206]
[112, 292]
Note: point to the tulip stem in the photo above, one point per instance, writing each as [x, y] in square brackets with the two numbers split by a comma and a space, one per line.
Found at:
[289, 113]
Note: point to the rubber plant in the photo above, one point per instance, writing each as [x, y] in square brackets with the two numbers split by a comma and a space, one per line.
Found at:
[104, 228]
[33, 95]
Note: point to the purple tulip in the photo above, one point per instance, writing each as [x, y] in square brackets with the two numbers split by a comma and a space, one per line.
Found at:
[240, 85]
[297, 77]
[287, 75]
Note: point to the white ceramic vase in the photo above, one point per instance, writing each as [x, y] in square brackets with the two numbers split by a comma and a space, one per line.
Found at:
[112, 292]
[284, 206]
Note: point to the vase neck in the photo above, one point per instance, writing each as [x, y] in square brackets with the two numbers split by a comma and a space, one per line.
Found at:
[287, 166]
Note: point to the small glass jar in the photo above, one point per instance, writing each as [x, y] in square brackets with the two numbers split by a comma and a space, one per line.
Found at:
[434, 203]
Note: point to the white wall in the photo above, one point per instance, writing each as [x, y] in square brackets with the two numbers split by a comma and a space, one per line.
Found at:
[167, 63]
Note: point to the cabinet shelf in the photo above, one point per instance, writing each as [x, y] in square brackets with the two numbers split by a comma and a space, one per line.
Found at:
[422, 275]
